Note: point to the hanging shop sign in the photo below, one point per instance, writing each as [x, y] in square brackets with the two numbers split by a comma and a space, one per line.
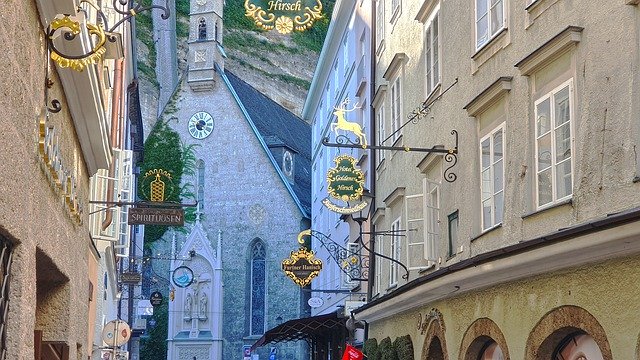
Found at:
[116, 333]
[346, 185]
[155, 216]
[62, 177]
[302, 266]
[157, 185]
[182, 276]
[285, 16]
[156, 298]
[130, 278]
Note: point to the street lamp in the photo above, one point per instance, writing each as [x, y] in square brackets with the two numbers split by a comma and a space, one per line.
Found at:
[360, 217]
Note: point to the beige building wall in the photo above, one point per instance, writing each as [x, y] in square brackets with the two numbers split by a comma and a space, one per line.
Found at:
[600, 67]
[590, 48]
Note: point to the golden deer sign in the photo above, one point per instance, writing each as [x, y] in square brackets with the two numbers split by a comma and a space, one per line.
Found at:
[342, 124]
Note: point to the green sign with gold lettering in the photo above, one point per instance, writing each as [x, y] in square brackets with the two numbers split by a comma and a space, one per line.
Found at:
[345, 181]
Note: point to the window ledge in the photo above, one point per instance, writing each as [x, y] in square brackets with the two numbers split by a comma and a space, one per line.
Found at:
[489, 44]
[550, 50]
[392, 286]
[381, 166]
[252, 337]
[430, 267]
[552, 206]
[534, 4]
[398, 141]
[485, 232]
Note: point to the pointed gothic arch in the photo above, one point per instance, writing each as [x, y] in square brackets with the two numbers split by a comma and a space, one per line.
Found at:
[257, 276]
[202, 29]
[216, 32]
[201, 183]
[561, 325]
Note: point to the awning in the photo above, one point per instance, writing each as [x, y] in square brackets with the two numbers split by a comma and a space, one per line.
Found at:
[312, 328]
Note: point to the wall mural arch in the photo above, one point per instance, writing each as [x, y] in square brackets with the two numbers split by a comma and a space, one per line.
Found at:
[435, 346]
[560, 324]
[481, 336]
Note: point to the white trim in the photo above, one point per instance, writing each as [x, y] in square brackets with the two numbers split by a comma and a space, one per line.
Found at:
[428, 40]
[491, 168]
[491, 35]
[394, 253]
[552, 130]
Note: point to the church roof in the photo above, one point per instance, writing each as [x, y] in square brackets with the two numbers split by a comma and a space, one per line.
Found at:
[279, 127]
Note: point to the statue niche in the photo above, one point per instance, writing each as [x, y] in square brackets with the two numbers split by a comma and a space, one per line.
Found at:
[202, 309]
[188, 304]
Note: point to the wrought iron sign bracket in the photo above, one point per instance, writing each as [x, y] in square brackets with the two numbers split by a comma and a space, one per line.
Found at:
[386, 233]
[450, 157]
[353, 264]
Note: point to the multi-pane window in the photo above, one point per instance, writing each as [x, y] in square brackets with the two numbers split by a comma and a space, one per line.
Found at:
[382, 134]
[379, 23]
[554, 177]
[492, 177]
[336, 83]
[490, 16]
[432, 52]
[345, 55]
[378, 275]
[396, 107]
[432, 219]
[395, 252]
[258, 289]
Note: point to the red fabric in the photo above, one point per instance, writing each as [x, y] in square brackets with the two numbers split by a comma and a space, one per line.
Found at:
[351, 353]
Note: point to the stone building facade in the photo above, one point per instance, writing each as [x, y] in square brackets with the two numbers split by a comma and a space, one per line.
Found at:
[520, 255]
[50, 263]
[252, 185]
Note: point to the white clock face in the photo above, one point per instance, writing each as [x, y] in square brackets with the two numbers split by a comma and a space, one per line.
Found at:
[200, 125]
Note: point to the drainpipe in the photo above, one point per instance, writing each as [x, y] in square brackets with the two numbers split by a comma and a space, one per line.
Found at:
[374, 154]
[115, 128]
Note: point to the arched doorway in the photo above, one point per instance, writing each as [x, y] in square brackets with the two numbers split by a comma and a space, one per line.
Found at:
[483, 340]
[435, 347]
[568, 330]
[578, 346]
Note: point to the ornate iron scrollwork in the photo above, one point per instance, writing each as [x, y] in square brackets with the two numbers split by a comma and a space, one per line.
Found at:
[352, 263]
[70, 28]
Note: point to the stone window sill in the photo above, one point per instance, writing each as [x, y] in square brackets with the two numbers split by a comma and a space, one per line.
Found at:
[549, 207]
[487, 231]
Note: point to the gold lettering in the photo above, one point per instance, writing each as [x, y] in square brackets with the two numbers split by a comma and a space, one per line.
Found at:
[278, 5]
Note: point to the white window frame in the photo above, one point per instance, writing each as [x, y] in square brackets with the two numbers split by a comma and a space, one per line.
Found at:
[345, 55]
[552, 130]
[432, 58]
[396, 105]
[432, 220]
[394, 253]
[380, 249]
[382, 132]
[353, 249]
[492, 176]
[336, 82]
[379, 25]
[490, 34]
[412, 224]
[396, 8]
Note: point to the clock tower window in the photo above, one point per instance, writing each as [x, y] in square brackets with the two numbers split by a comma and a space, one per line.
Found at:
[202, 29]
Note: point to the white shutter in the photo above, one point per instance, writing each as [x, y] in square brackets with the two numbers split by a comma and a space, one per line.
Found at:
[415, 233]
[432, 219]
[353, 249]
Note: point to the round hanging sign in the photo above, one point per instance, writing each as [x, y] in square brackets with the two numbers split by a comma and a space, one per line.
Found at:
[155, 298]
[315, 302]
[182, 276]
[116, 333]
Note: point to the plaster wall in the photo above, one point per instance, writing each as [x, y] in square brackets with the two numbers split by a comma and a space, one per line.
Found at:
[603, 66]
[517, 307]
[33, 215]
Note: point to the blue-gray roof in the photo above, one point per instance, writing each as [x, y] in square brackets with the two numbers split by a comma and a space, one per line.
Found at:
[280, 127]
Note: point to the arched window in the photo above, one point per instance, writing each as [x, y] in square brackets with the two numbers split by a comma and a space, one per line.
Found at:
[201, 184]
[202, 29]
[492, 351]
[216, 32]
[258, 289]
[578, 346]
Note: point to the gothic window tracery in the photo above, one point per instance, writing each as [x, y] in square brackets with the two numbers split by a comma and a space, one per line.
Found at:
[258, 288]
[201, 184]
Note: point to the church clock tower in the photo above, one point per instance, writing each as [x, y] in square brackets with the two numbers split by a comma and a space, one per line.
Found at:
[205, 43]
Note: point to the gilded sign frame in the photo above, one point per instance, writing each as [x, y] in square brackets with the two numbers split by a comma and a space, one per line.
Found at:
[302, 18]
